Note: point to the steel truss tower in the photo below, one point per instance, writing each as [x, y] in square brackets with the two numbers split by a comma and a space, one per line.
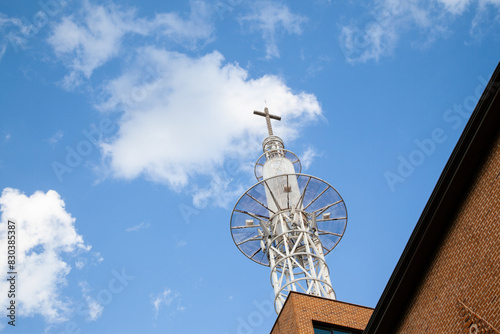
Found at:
[289, 221]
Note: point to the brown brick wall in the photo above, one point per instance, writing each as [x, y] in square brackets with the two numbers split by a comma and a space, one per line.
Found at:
[461, 288]
[300, 310]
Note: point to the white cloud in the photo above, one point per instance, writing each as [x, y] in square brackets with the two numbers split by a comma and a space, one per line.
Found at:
[87, 40]
[381, 33]
[165, 299]
[198, 27]
[97, 258]
[486, 19]
[91, 39]
[455, 6]
[137, 227]
[55, 137]
[46, 233]
[165, 134]
[94, 308]
[94, 258]
[308, 157]
[370, 44]
[389, 19]
[186, 116]
[220, 191]
[272, 19]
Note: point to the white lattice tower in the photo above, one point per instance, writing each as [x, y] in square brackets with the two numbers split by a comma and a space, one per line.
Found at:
[294, 213]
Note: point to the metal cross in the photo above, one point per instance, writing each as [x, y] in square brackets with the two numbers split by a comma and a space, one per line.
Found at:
[268, 117]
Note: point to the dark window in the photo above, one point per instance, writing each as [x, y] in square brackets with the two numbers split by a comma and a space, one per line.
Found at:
[318, 330]
[329, 329]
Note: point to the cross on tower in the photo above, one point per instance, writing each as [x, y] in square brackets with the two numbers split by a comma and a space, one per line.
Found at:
[268, 117]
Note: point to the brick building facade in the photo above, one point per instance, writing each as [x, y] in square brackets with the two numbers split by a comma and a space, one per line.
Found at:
[448, 277]
[461, 286]
[301, 313]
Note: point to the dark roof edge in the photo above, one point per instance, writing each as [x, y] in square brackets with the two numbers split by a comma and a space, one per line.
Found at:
[459, 172]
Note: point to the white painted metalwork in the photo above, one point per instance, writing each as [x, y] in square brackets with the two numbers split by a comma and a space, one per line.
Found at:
[289, 221]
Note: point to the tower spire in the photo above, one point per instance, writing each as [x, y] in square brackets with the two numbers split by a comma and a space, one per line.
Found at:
[289, 221]
[268, 117]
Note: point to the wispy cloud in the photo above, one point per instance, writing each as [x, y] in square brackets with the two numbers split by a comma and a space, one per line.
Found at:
[455, 6]
[377, 33]
[55, 138]
[137, 227]
[308, 157]
[79, 264]
[94, 308]
[487, 18]
[88, 39]
[166, 299]
[272, 19]
[380, 34]
[94, 259]
[220, 185]
[197, 28]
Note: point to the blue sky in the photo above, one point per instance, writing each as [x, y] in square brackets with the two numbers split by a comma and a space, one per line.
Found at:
[127, 135]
